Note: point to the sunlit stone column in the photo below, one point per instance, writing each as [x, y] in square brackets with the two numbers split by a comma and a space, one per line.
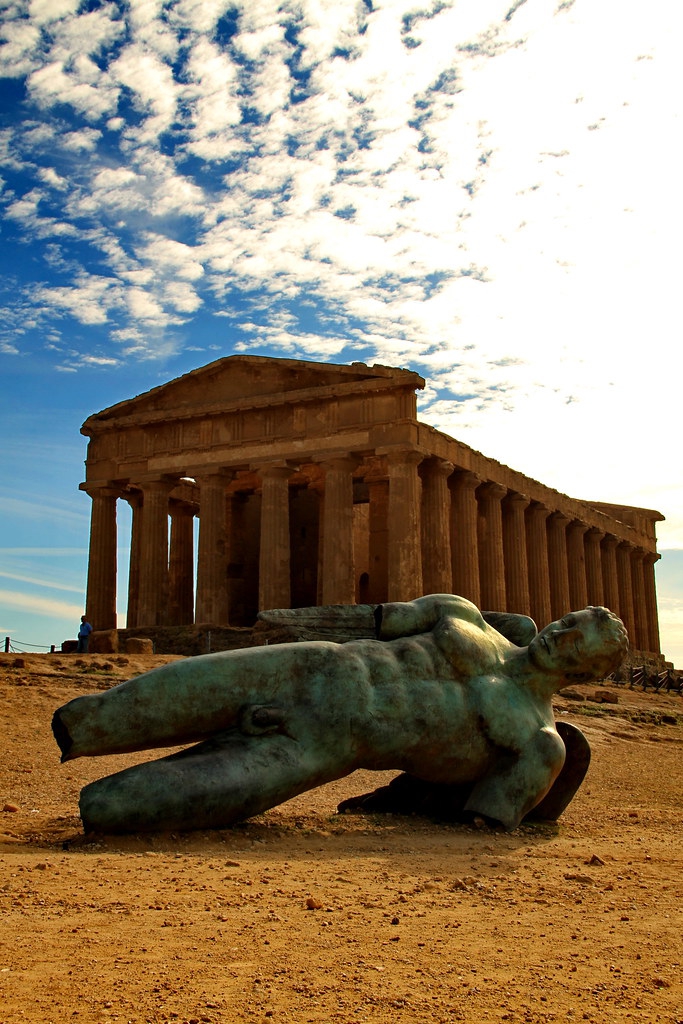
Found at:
[403, 520]
[378, 541]
[639, 603]
[560, 602]
[212, 557]
[464, 542]
[651, 601]
[181, 565]
[336, 543]
[576, 565]
[490, 544]
[514, 547]
[625, 583]
[134, 499]
[437, 567]
[537, 556]
[100, 604]
[609, 574]
[593, 556]
[274, 558]
[153, 588]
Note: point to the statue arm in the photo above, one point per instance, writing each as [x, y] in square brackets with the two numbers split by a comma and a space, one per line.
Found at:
[518, 629]
[408, 618]
[512, 790]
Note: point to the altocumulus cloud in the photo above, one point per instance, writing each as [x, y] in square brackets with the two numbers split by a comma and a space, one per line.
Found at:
[222, 149]
[452, 186]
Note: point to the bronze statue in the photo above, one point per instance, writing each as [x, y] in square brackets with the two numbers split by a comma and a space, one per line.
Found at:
[440, 695]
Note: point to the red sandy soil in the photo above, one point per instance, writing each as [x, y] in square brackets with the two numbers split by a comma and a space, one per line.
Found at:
[301, 915]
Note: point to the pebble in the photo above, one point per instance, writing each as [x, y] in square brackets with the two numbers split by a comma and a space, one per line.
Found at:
[11, 808]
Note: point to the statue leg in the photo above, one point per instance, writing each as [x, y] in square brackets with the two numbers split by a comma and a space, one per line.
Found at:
[211, 785]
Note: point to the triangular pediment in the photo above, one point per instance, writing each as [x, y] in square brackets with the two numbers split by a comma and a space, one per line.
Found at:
[241, 378]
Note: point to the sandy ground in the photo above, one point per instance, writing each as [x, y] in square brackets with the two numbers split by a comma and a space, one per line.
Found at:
[305, 916]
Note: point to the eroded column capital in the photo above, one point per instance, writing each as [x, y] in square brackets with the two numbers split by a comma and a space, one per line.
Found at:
[342, 461]
[402, 456]
[214, 475]
[274, 470]
[576, 526]
[491, 490]
[559, 519]
[515, 499]
[437, 467]
[108, 490]
[466, 480]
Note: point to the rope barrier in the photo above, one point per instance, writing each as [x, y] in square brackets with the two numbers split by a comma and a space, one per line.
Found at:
[11, 646]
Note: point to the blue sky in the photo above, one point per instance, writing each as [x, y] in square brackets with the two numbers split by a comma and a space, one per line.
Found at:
[486, 192]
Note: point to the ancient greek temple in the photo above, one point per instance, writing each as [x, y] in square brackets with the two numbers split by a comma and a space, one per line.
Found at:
[315, 483]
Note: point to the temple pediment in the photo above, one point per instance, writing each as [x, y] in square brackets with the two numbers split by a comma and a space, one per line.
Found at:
[244, 380]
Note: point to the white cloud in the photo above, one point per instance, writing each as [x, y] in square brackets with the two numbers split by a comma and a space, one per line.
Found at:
[35, 581]
[489, 200]
[151, 82]
[89, 300]
[45, 12]
[37, 509]
[16, 601]
[19, 41]
[51, 84]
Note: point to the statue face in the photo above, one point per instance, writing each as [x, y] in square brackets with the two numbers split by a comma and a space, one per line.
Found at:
[570, 645]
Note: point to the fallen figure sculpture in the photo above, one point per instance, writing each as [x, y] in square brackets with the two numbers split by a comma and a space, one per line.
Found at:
[441, 695]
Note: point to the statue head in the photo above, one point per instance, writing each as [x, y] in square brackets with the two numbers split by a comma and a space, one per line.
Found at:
[582, 646]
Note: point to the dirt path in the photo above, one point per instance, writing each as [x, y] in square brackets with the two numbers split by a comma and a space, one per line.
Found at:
[304, 916]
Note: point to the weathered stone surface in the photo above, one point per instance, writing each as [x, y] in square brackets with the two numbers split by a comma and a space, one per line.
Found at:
[104, 641]
[139, 645]
[571, 694]
[605, 697]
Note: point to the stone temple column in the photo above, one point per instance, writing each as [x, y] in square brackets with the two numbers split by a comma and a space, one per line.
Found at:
[181, 565]
[403, 515]
[378, 490]
[274, 557]
[639, 603]
[437, 567]
[609, 574]
[560, 601]
[514, 548]
[100, 604]
[593, 556]
[464, 542]
[153, 589]
[576, 565]
[625, 583]
[537, 555]
[651, 601]
[490, 543]
[134, 499]
[336, 543]
[212, 557]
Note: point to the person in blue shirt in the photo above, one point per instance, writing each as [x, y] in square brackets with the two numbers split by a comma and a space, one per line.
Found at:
[84, 631]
